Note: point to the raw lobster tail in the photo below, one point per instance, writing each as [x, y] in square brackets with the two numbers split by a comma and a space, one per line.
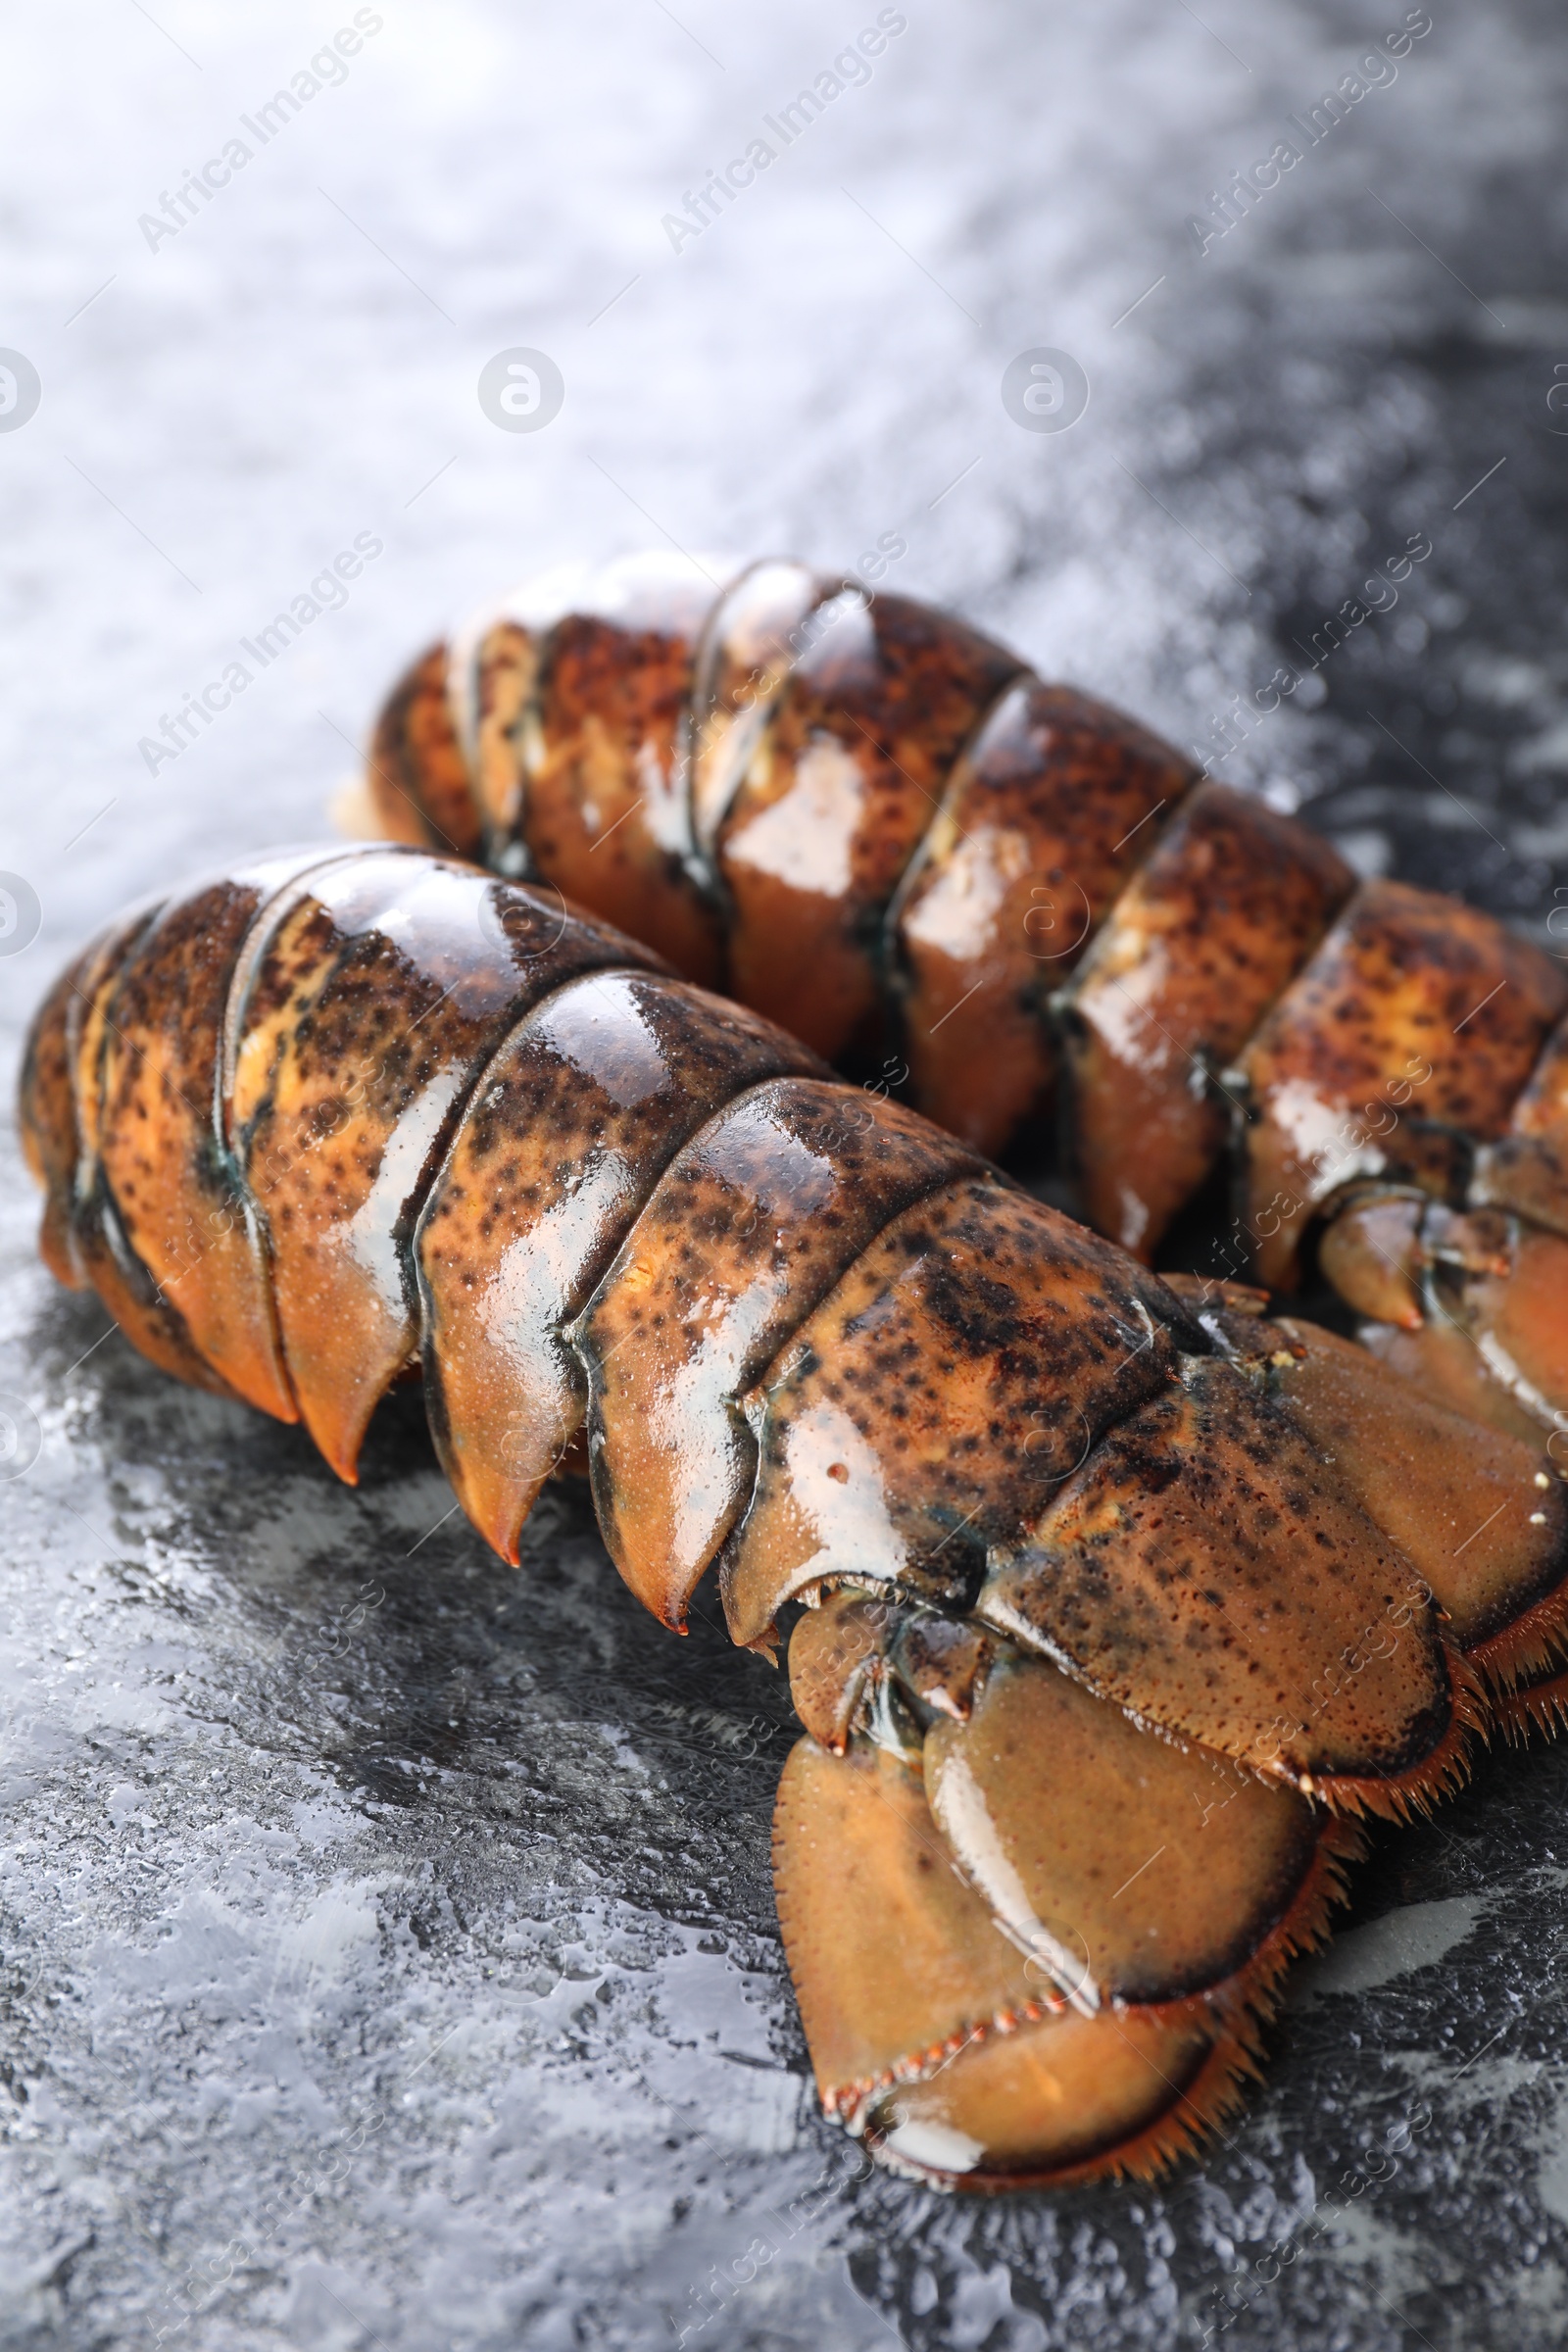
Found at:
[876, 827]
[1121, 1602]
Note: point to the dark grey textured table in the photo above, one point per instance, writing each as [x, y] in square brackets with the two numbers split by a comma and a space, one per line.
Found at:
[387, 1955]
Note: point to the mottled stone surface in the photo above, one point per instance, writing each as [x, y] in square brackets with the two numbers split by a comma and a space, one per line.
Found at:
[389, 1951]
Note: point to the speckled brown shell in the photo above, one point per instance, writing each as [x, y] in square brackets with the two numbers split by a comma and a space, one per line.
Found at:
[1409, 1036]
[871, 824]
[1122, 1599]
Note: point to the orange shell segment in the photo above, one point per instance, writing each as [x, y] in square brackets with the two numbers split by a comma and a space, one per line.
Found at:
[371, 1007]
[1134, 1869]
[1415, 1025]
[749, 1226]
[1205, 1570]
[843, 784]
[1047, 813]
[1226, 907]
[569, 1126]
[964, 1364]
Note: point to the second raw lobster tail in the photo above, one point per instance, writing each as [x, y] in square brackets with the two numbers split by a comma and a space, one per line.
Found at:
[870, 822]
[1112, 1602]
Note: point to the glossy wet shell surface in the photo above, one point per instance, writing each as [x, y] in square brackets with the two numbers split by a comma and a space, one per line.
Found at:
[969, 1358]
[1417, 1012]
[603, 762]
[905, 1979]
[1047, 815]
[571, 1125]
[751, 1225]
[845, 782]
[1206, 1569]
[97, 1247]
[749, 646]
[1221, 915]
[369, 1008]
[883, 832]
[1134, 1868]
[181, 1202]
[1079, 1575]
[418, 773]
[1472, 1508]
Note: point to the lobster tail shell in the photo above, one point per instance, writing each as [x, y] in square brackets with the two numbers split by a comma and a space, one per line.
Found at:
[1112, 1602]
[1082, 1553]
[877, 829]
